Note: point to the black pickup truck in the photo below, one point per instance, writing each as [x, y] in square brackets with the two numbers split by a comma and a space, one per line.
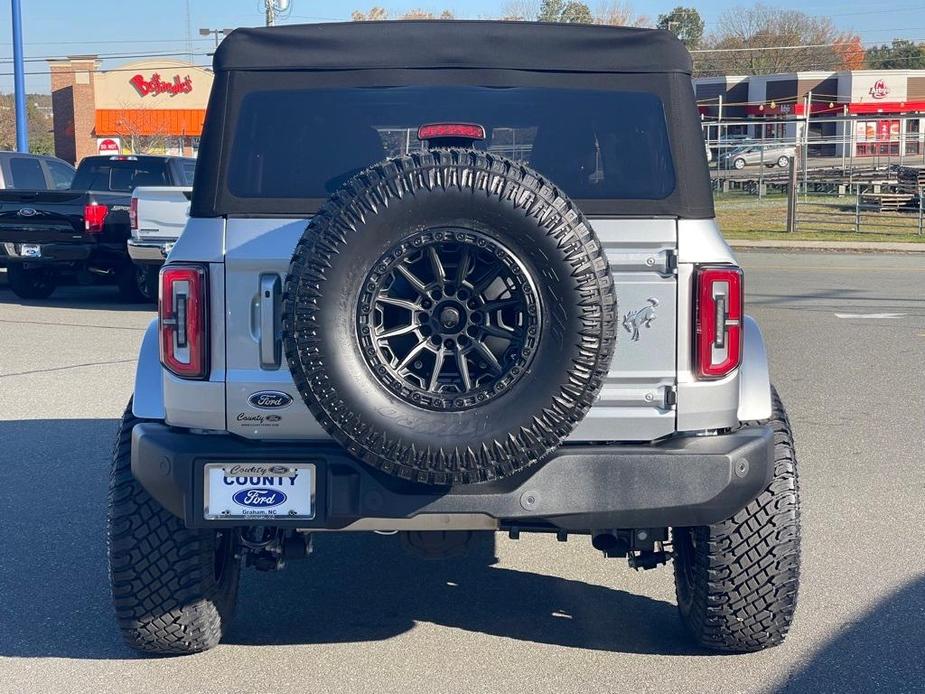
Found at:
[46, 235]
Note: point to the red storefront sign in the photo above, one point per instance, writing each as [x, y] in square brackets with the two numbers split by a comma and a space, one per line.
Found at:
[156, 85]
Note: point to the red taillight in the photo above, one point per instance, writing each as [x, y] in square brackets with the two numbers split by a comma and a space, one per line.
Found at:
[94, 217]
[718, 338]
[436, 131]
[183, 320]
[133, 213]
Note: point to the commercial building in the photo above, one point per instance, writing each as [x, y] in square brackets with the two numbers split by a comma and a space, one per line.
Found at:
[152, 106]
[857, 112]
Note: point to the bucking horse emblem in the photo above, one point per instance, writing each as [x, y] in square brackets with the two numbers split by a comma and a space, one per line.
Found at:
[643, 317]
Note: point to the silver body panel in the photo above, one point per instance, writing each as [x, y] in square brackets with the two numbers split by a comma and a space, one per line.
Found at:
[650, 391]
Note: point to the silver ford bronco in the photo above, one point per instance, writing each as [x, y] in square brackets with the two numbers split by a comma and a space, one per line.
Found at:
[443, 279]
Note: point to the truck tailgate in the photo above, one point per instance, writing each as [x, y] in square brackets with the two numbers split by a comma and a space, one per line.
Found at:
[41, 216]
[162, 211]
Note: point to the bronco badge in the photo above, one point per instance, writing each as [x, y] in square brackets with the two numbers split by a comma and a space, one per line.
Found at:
[643, 317]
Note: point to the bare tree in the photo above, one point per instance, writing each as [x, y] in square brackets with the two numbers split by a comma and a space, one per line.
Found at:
[133, 127]
[521, 10]
[617, 13]
[378, 14]
[763, 40]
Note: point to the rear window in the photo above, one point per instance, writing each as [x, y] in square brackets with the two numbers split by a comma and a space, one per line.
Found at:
[121, 176]
[592, 144]
[27, 174]
[188, 171]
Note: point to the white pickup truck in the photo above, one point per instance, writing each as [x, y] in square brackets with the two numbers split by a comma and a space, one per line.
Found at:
[158, 215]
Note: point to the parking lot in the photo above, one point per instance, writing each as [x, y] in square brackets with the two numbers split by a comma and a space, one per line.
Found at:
[847, 340]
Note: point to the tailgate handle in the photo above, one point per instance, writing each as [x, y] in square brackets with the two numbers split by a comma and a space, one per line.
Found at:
[270, 345]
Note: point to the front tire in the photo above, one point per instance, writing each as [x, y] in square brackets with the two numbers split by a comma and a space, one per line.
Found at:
[736, 581]
[739, 164]
[30, 283]
[173, 589]
[783, 162]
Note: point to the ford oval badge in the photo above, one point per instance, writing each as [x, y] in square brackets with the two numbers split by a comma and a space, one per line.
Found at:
[270, 400]
[27, 212]
[259, 498]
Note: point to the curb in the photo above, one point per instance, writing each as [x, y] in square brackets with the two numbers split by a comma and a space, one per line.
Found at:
[846, 246]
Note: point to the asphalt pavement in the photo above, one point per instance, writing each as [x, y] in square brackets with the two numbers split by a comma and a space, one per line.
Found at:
[847, 340]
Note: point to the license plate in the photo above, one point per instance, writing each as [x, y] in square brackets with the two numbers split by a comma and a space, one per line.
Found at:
[30, 250]
[259, 490]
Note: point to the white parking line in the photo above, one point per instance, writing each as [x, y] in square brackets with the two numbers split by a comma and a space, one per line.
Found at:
[870, 315]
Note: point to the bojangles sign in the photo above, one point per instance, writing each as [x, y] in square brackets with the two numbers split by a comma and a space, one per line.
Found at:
[155, 85]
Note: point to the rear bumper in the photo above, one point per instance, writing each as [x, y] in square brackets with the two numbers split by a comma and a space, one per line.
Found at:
[679, 482]
[153, 251]
[51, 253]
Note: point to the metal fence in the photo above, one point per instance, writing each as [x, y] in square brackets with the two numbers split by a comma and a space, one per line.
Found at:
[747, 154]
[861, 208]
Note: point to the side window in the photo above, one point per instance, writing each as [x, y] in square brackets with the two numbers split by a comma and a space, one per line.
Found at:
[61, 174]
[27, 174]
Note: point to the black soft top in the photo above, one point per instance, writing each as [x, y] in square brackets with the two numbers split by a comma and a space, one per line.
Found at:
[251, 64]
[454, 44]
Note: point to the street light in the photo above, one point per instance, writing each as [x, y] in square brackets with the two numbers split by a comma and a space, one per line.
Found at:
[216, 33]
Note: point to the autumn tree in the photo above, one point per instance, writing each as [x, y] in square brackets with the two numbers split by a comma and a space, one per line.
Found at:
[685, 23]
[762, 40]
[850, 53]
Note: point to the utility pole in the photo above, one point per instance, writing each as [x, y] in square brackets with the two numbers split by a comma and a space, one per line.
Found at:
[275, 8]
[19, 81]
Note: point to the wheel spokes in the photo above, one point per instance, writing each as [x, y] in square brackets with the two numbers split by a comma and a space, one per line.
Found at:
[395, 332]
[499, 331]
[438, 367]
[463, 367]
[411, 355]
[488, 356]
[401, 303]
[413, 280]
[463, 268]
[436, 265]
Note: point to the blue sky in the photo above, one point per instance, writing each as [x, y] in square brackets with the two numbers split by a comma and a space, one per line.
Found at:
[126, 27]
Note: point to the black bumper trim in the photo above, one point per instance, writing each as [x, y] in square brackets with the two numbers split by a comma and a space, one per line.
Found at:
[683, 481]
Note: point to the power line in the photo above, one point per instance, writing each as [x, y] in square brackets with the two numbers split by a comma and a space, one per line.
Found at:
[106, 56]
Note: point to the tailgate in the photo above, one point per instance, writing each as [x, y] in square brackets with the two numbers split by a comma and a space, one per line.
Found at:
[41, 216]
[635, 404]
[162, 212]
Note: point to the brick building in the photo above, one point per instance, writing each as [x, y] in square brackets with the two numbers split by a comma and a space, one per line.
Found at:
[153, 106]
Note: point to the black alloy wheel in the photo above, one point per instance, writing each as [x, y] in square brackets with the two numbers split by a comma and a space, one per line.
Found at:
[448, 319]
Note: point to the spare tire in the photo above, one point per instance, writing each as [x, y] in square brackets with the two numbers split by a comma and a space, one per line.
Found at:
[449, 317]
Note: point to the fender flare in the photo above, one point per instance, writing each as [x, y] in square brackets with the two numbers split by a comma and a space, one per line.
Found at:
[754, 378]
[148, 401]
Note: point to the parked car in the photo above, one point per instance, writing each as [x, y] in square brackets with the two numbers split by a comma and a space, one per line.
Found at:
[19, 171]
[158, 215]
[379, 323]
[770, 155]
[83, 229]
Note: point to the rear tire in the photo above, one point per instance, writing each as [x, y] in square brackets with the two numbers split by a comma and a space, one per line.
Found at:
[30, 283]
[737, 581]
[783, 162]
[173, 589]
[135, 283]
